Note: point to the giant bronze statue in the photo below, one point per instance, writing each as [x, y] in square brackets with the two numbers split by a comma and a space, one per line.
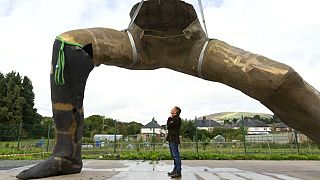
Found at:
[165, 34]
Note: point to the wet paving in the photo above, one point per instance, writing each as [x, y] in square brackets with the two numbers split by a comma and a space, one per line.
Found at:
[137, 170]
[193, 170]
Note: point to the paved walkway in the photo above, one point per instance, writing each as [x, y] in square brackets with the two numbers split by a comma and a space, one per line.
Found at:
[191, 170]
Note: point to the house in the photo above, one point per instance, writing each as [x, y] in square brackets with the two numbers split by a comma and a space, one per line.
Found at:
[150, 129]
[282, 127]
[227, 126]
[207, 125]
[253, 126]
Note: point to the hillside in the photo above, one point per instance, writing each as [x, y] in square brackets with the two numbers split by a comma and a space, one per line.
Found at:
[231, 115]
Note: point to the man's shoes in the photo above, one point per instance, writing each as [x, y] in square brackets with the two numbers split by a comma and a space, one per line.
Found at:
[175, 175]
[170, 173]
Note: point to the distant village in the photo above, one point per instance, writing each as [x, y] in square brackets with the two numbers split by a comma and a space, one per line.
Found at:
[255, 131]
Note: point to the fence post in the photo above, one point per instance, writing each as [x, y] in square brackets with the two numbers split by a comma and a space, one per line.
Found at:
[153, 135]
[19, 134]
[195, 122]
[244, 135]
[48, 140]
[115, 137]
[296, 139]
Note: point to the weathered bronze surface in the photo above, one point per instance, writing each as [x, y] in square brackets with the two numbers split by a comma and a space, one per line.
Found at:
[167, 34]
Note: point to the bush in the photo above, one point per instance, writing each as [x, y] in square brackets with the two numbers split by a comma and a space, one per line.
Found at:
[87, 140]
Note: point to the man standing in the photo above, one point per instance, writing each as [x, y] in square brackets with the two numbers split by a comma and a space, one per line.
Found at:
[173, 126]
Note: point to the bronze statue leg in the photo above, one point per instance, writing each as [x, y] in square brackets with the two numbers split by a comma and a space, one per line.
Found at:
[275, 85]
[175, 45]
[68, 115]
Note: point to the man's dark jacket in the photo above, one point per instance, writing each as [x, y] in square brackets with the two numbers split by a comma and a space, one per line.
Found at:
[173, 126]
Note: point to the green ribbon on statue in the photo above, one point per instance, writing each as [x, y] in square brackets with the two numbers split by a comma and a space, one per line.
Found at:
[58, 74]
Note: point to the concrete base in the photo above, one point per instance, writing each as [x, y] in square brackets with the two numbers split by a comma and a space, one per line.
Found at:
[191, 169]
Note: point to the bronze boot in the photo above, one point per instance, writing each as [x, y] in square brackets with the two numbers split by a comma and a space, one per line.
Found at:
[67, 104]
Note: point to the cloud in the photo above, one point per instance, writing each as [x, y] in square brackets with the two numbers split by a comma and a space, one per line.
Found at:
[286, 31]
[6, 7]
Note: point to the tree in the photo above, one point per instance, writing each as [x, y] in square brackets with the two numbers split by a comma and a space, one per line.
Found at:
[234, 120]
[3, 90]
[11, 105]
[16, 105]
[131, 128]
[46, 123]
[257, 117]
[93, 123]
[188, 128]
[30, 117]
[14, 100]
[275, 119]
[97, 124]
[28, 112]
[226, 121]
[134, 128]
[3, 98]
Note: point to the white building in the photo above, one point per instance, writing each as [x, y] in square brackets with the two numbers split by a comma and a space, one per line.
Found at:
[207, 124]
[253, 126]
[106, 137]
[148, 128]
[152, 129]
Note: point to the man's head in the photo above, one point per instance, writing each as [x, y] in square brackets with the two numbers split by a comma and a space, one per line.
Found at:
[175, 111]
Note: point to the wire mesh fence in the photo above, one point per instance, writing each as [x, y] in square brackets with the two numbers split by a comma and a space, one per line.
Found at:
[31, 139]
[211, 147]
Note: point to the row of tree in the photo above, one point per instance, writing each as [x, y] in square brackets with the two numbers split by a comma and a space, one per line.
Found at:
[17, 110]
[97, 124]
[189, 131]
[19, 118]
[266, 120]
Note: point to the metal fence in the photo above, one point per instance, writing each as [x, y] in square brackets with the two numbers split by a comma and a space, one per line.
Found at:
[33, 140]
[211, 147]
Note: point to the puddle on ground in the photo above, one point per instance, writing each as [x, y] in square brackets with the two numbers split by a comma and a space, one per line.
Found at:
[157, 170]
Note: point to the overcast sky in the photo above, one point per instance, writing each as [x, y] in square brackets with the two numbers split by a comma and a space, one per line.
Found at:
[287, 31]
